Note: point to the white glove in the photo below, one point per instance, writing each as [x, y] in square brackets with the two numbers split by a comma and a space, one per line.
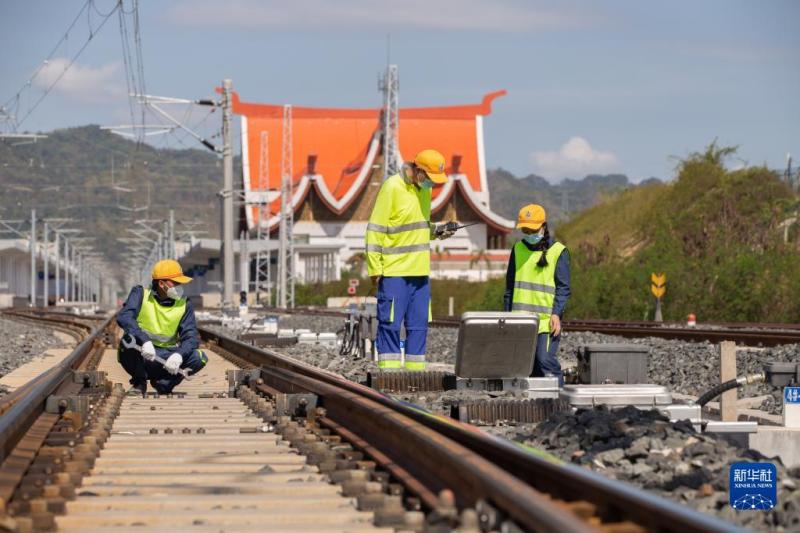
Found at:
[173, 363]
[148, 351]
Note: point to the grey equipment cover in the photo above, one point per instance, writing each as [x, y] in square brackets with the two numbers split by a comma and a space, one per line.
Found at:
[496, 345]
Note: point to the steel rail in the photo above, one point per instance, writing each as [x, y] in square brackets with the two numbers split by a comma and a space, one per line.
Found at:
[763, 337]
[767, 334]
[433, 458]
[20, 416]
[79, 330]
[567, 482]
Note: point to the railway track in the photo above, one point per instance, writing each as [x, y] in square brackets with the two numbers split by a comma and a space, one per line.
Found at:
[261, 441]
[751, 334]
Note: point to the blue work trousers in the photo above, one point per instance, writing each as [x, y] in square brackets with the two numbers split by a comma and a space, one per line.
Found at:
[404, 299]
[161, 380]
[546, 363]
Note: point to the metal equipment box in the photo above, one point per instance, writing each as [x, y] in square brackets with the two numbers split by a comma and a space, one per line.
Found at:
[546, 387]
[642, 396]
[782, 374]
[496, 345]
[613, 363]
[318, 339]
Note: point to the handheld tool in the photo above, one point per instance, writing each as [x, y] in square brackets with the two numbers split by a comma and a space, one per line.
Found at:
[453, 227]
[186, 373]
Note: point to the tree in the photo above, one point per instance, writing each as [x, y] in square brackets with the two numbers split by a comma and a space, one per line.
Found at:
[480, 257]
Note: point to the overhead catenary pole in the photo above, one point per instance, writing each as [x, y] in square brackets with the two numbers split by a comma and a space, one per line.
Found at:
[244, 262]
[76, 277]
[227, 197]
[46, 253]
[74, 292]
[286, 278]
[80, 277]
[263, 258]
[173, 254]
[67, 268]
[33, 257]
[58, 267]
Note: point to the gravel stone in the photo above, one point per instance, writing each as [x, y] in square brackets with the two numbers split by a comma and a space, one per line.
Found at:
[640, 447]
[21, 342]
[691, 367]
[680, 464]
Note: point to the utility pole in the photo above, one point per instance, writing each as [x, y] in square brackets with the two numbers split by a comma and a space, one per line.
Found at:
[227, 197]
[286, 251]
[263, 259]
[67, 267]
[81, 277]
[244, 262]
[58, 266]
[33, 257]
[46, 252]
[74, 290]
[173, 254]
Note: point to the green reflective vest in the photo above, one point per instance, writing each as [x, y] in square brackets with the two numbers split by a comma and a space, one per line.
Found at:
[399, 230]
[535, 286]
[160, 322]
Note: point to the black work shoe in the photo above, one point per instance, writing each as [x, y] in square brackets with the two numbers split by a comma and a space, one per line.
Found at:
[137, 389]
[159, 389]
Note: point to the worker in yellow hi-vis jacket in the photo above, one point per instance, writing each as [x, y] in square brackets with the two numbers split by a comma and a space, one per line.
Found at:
[399, 256]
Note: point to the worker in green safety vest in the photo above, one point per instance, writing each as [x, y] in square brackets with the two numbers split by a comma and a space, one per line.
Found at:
[160, 341]
[538, 281]
[399, 257]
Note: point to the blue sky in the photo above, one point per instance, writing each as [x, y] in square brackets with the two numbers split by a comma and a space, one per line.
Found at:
[617, 86]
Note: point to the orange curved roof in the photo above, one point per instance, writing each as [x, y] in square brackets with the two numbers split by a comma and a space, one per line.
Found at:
[344, 144]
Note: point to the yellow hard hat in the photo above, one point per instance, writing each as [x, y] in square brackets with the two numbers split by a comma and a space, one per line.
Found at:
[432, 162]
[531, 216]
[170, 269]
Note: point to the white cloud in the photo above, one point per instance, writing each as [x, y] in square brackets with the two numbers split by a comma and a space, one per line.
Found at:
[80, 82]
[575, 159]
[372, 15]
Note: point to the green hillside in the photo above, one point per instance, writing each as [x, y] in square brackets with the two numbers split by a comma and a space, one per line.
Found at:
[713, 231]
[98, 179]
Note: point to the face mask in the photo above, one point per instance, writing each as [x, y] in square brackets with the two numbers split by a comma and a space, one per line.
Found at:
[427, 183]
[176, 293]
[532, 239]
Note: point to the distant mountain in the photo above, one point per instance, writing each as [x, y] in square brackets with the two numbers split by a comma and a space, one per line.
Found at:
[104, 183]
[508, 193]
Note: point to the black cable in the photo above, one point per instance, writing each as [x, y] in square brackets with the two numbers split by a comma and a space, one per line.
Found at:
[50, 55]
[715, 391]
[92, 33]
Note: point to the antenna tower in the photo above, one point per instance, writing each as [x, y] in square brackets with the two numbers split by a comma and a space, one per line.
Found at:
[390, 86]
[286, 276]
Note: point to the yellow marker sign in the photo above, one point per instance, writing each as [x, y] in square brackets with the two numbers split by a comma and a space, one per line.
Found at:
[659, 280]
[658, 292]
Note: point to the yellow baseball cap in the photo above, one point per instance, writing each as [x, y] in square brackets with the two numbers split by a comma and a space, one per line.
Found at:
[531, 216]
[432, 162]
[170, 269]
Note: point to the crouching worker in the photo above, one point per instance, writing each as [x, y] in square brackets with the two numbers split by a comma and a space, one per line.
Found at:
[158, 322]
[537, 281]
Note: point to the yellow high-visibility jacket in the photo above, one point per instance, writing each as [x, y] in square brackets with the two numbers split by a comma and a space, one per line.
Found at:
[160, 322]
[399, 230]
[535, 286]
